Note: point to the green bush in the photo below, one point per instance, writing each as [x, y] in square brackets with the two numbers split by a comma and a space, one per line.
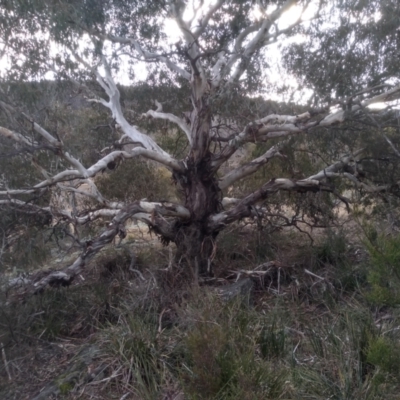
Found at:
[385, 354]
[384, 269]
[333, 249]
[135, 179]
[222, 352]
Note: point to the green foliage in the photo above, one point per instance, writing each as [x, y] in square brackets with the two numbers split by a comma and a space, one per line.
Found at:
[135, 344]
[272, 342]
[222, 357]
[355, 53]
[65, 387]
[204, 348]
[333, 248]
[240, 247]
[384, 268]
[136, 180]
[384, 353]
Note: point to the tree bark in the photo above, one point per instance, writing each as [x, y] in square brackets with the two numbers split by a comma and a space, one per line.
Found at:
[202, 197]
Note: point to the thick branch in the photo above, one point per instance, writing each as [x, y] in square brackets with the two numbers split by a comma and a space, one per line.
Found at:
[244, 208]
[198, 77]
[114, 105]
[266, 128]
[99, 166]
[27, 208]
[249, 168]
[273, 126]
[148, 211]
[108, 84]
[66, 276]
[340, 116]
[55, 145]
[173, 118]
[15, 136]
[138, 210]
[203, 23]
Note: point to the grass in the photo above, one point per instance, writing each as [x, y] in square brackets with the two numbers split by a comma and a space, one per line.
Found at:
[318, 337]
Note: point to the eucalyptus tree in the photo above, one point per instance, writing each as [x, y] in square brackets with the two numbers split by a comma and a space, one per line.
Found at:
[220, 55]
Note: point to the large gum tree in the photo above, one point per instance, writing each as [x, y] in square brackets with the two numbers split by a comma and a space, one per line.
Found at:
[222, 52]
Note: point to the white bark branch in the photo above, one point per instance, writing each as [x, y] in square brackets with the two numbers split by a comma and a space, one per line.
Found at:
[146, 212]
[273, 126]
[173, 118]
[16, 136]
[93, 193]
[138, 210]
[198, 77]
[269, 127]
[243, 208]
[29, 208]
[248, 168]
[336, 167]
[109, 86]
[99, 166]
[259, 40]
[340, 116]
[55, 145]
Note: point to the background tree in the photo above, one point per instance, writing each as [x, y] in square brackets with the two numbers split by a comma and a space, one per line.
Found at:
[221, 63]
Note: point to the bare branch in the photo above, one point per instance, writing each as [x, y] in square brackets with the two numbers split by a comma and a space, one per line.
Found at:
[55, 145]
[340, 116]
[249, 168]
[244, 208]
[263, 129]
[137, 210]
[147, 212]
[99, 166]
[28, 208]
[273, 126]
[93, 193]
[173, 118]
[66, 276]
[108, 84]
[145, 55]
[259, 40]
[198, 76]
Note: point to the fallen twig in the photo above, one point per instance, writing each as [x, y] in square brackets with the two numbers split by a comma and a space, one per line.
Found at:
[3, 353]
[312, 274]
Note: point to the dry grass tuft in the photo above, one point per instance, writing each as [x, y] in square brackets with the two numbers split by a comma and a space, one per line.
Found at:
[132, 328]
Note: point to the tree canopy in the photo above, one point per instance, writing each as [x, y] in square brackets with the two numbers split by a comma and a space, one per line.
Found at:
[211, 85]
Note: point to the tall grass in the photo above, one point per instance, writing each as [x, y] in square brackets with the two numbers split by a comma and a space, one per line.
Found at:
[315, 338]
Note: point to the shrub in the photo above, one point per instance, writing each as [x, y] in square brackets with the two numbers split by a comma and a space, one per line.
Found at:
[384, 269]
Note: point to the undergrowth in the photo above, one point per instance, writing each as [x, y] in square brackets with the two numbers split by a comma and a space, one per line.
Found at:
[316, 329]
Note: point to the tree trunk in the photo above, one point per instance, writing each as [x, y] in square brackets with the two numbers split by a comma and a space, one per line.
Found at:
[195, 249]
[195, 244]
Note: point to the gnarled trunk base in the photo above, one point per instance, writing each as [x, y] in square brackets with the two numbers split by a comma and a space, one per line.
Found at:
[195, 249]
